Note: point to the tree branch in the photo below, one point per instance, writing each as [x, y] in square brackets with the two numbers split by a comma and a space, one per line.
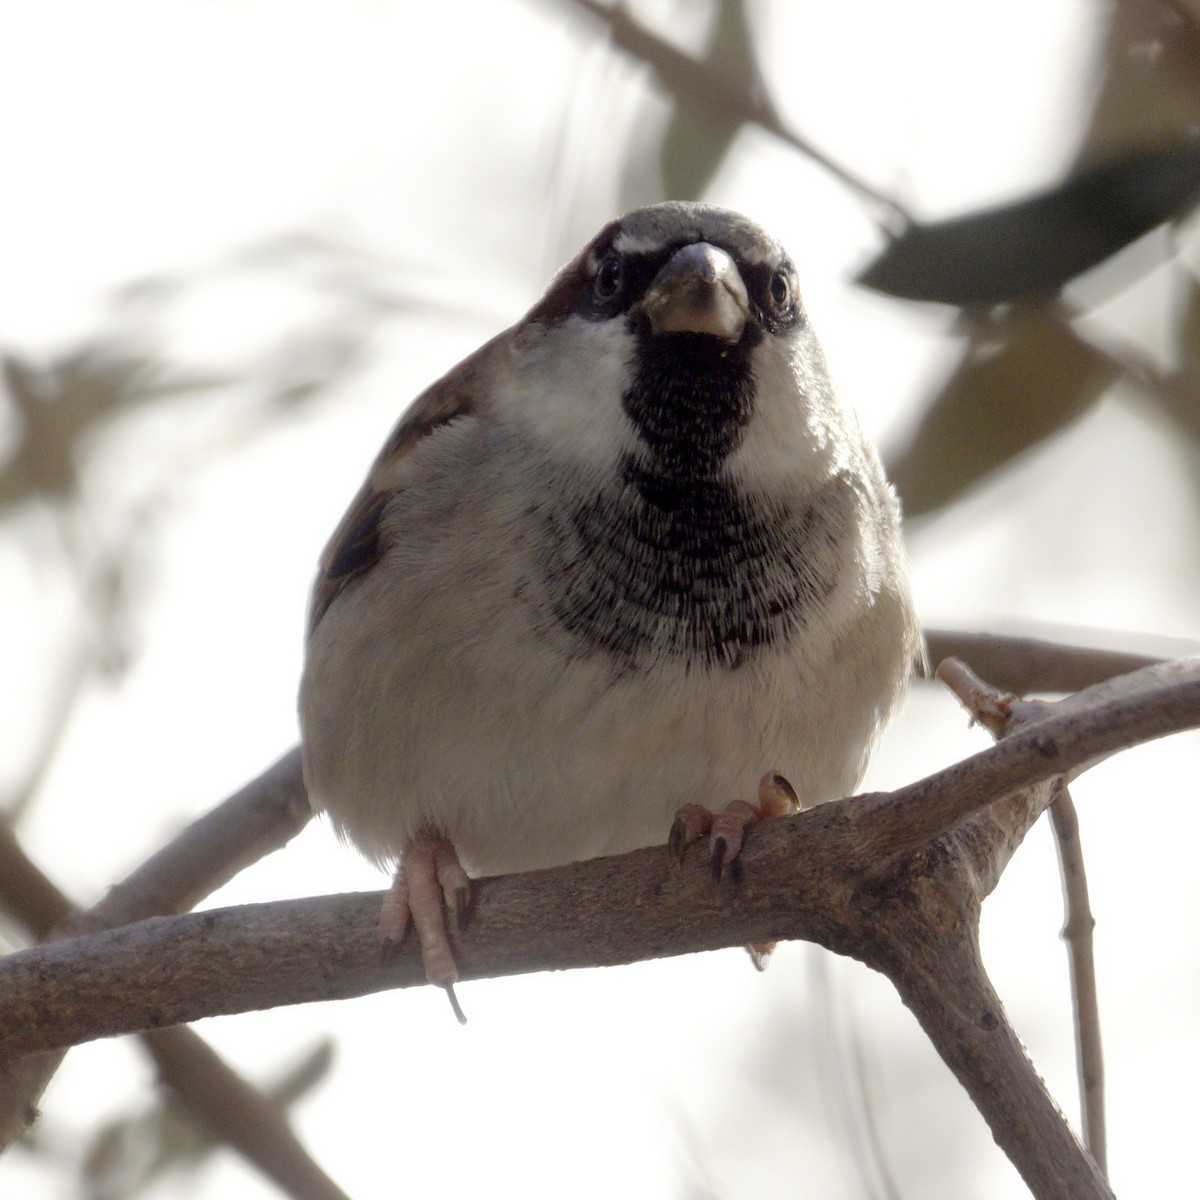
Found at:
[259, 818]
[894, 880]
[1032, 664]
[944, 983]
[693, 82]
[238, 1113]
[1002, 714]
[212, 1092]
[802, 877]
[1077, 933]
[1088, 726]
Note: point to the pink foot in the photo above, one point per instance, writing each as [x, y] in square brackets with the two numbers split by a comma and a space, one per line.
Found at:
[429, 880]
[776, 798]
[727, 830]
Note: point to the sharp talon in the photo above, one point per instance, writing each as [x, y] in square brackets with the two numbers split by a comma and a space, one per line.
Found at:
[760, 954]
[454, 1004]
[394, 913]
[719, 847]
[429, 882]
[675, 843]
[691, 823]
[457, 901]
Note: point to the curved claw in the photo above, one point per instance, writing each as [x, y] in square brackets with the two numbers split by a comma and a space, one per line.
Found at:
[429, 882]
[717, 861]
[728, 832]
[691, 823]
[776, 798]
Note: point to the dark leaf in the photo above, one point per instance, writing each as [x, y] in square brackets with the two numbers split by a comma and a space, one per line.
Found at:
[1020, 380]
[1034, 246]
[1179, 395]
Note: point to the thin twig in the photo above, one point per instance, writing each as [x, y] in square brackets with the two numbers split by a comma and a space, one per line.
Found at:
[1077, 932]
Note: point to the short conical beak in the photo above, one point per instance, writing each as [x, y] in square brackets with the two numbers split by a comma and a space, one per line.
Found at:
[700, 290]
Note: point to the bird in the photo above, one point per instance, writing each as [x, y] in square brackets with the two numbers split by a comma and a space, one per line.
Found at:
[628, 573]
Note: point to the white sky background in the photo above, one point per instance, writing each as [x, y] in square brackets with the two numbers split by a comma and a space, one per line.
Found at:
[473, 146]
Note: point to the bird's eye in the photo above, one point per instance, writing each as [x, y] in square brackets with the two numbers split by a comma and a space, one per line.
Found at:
[781, 289]
[609, 277]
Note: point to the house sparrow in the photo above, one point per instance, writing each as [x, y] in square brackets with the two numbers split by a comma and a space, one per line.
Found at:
[619, 562]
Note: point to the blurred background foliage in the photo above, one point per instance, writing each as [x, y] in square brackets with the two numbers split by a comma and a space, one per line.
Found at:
[1041, 295]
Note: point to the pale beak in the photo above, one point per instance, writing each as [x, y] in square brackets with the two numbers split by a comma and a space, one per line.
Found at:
[700, 290]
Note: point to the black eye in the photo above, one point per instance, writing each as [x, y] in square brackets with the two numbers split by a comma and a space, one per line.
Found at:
[609, 277]
[780, 288]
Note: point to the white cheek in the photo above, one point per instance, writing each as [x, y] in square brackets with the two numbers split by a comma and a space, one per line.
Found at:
[799, 430]
[564, 383]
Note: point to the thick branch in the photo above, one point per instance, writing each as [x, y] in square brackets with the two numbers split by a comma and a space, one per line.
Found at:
[1086, 727]
[804, 877]
[259, 818]
[894, 880]
[947, 989]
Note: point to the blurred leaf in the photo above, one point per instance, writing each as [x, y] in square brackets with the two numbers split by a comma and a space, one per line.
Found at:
[1034, 246]
[701, 132]
[1021, 379]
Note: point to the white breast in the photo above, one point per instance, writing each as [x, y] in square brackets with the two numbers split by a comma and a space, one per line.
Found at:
[431, 700]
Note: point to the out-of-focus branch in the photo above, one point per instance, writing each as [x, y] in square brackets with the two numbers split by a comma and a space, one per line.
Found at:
[26, 894]
[1033, 664]
[694, 83]
[259, 818]
[1175, 391]
[895, 880]
[235, 1111]
[214, 1094]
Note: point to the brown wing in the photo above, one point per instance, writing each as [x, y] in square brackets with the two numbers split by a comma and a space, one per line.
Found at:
[352, 551]
[357, 544]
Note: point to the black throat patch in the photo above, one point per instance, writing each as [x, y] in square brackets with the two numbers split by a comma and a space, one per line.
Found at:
[674, 561]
